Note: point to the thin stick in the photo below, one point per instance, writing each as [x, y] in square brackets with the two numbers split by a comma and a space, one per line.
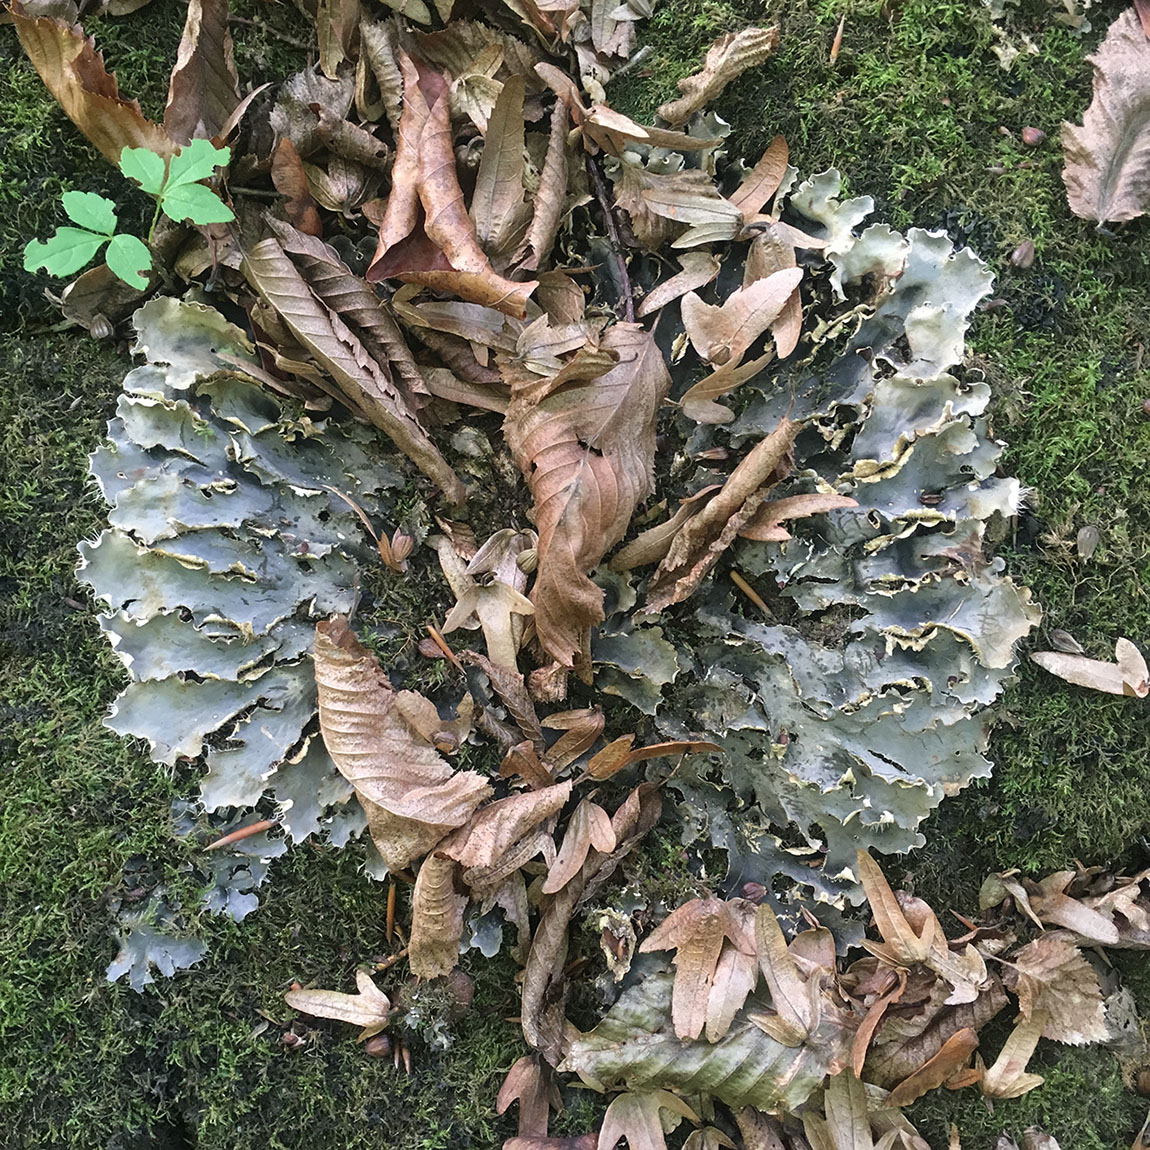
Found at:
[441, 643]
[613, 235]
[838, 40]
[751, 593]
[390, 961]
[264, 26]
[390, 910]
[242, 833]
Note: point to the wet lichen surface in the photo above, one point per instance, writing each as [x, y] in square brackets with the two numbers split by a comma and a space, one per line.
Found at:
[911, 113]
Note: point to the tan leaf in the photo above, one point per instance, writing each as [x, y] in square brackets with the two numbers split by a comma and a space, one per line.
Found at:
[704, 537]
[952, 1056]
[699, 269]
[590, 826]
[1007, 1078]
[336, 22]
[403, 202]
[512, 689]
[379, 49]
[1052, 905]
[1107, 172]
[414, 787]
[695, 931]
[587, 453]
[847, 1114]
[621, 755]
[74, 73]
[690, 197]
[771, 251]
[1052, 976]
[204, 88]
[728, 57]
[550, 203]
[655, 542]
[497, 208]
[765, 525]
[762, 181]
[499, 825]
[436, 919]
[723, 334]
[698, 402]
[362, 379]
[790, 993]
[735, 976]
[369, 1007]
[636, 1118]
[581, 728]
[290, 180]
[529, 1082]
[906, 946]
[1126, 676]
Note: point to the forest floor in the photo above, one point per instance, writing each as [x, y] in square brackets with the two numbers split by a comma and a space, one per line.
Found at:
[916, 112]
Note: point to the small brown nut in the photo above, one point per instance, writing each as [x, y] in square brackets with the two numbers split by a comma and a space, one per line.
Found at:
[1023, 256]
[378, 1047]
[1032, 137]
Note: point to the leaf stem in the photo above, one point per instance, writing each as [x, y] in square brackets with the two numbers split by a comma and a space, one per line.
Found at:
[604, 199]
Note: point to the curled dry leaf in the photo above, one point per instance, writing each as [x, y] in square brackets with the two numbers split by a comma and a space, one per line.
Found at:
[762, 181]
[1107, 172]
[1127, 675]
[410, 792]
[369, 1008]
[436, 918]
[587, 453]
[204, 88]
[1007, 1078]
[765, 526]
[74, 73]
[530, 1083]
[590, 826]
[728, 57]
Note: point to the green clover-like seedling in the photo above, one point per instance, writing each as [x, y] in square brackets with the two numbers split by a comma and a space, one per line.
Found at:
[176, 186]
[71, 248]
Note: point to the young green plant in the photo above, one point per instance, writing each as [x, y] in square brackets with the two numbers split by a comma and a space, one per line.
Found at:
[179, 195]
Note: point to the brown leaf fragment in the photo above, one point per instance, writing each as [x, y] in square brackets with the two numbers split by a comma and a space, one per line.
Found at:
[511, 688]
[906, 946]
[723, 334]
[587, 453]
[497, 207]
[765, 525]
[705, 536]
[735, 976]
[290, 180]
[74, 73]
[952, 1056]
[496, 827]
[436, 919]
[542, 1015]
[696, 931]
[570, 1142]
[403, 203]
[379, 49]
[636, 1117]
[581, 728]
[336, 23]
[1051, 975]
[655, 542]
[760, 1131]
[360, 377]
[529, 1082]
[772, 251]
[418, 795]
[369, 1007]
[847, 1115]
[604, 765]
[698, 402]
[523, 760]
[550, 202]
[762, 181]
[699, 269]
[1007, 1078]
[204, 88]
[729, 56]
[1107, 172]
[590, 826]
[1126, 676]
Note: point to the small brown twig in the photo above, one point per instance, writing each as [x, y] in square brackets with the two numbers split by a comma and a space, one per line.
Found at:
[751, 593]
[390, 961]
[448, 653]
[243, 833]
[613, 235]
[283, 37]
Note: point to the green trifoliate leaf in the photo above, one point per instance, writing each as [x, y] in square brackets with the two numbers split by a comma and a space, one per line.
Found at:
[145, 167]
[90, 211]
[197, 161]
[129, 258]
[66, 252]
[195, 203]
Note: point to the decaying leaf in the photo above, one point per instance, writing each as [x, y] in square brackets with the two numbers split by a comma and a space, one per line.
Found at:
[1107, 172]
[1007, 1078]
[204, 88]
[1051, 976]
[636, 1118]
[1127, 675]
[436, 917]
[369, 1008]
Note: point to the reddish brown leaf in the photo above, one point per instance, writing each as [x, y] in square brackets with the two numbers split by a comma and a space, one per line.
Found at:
[204, 88]
[953, 1055]
[290, 181]
[762, 181]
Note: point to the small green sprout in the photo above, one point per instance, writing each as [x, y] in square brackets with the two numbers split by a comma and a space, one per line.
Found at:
[178, 193]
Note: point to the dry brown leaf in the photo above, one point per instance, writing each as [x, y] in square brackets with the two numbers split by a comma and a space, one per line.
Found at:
[369, 1008]
[402, 210]
[436, 918]
[636, 1118]
[411, 794]
[690, 198]
[1107, 172]
[655, 542]
[699, 269]
[1051, 975]
[336, 23]
[848, 1125]
[903, 945]
[706, 535]
[695, 931]
[722, 334]
[74, 73]
[771, 252]
[728, 57]
[619, 754]
[587, 453]
[290, 180]
[1128, 675]
[698, 402]
[1007, 1078]
[581, 728]
[952, 1056]
[511, 688]
[550, 202]
[498, 826]
[497, 207]
[590, 826]
[204, 88]
[362, 379]
[762, 181]
[1051, 904]
[529, 1082]
[765, 525]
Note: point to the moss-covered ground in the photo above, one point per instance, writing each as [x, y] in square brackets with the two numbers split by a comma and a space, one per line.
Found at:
[916, 112]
